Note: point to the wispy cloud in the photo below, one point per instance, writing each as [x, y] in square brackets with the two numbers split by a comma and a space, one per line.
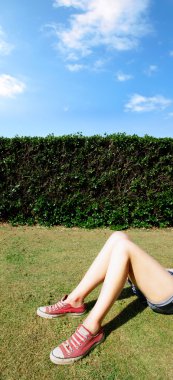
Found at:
[70, 3]
[170, 114]
[122, 77]
[140, 103]
[151, 70]
[10, 86]
[75, 67]
[171, 53]
[98, 65]
[114, 24]
[5, 46]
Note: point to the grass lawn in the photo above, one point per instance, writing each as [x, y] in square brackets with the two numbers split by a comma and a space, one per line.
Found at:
[38, 266]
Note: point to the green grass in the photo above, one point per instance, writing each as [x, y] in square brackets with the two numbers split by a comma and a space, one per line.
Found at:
[38, 265]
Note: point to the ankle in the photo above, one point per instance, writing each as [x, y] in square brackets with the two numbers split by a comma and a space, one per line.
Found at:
[92, 326]
[74, 301]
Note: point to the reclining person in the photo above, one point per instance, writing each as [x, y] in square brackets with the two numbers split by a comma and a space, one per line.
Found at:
[118, 260]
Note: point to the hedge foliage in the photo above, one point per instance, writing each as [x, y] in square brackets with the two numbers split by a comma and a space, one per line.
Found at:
[116, 180]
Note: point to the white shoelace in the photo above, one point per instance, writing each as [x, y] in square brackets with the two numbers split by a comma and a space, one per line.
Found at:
[58, 305]
[70, 345]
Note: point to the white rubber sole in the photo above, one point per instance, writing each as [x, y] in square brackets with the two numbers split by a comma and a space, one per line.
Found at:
[52, 316]
[62, 361]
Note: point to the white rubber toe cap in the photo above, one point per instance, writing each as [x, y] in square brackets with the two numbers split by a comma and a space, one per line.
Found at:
[57, 357]
[42, 309]
[57, 353]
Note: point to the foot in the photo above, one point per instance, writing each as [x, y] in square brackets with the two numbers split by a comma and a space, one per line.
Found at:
[77, 346]
[61, 308]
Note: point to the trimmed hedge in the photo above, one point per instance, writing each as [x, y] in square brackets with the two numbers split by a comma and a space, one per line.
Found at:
[117, 181]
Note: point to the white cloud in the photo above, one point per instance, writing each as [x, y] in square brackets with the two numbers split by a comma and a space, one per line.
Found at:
[111, 23]
[140, 103]
[5, 46]
[70, 3]
[98, 65]
[10, 86]
[171, 53]
[75, 67]
[122, 77]
[151, 70]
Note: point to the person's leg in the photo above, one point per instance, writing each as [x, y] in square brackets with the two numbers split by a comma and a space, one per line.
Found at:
[150, 277]
[73, 304]
[124, 258]
[144, 271]
[97, 271]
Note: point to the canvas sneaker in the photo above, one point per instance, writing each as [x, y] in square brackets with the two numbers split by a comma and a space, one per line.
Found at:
[60, 309]
[77, 346]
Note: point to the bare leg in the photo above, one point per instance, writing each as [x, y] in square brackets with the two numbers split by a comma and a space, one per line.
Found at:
[128, 259]
[97, 271]
[118, 259]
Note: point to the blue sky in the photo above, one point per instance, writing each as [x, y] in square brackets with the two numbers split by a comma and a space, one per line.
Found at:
[89, 66]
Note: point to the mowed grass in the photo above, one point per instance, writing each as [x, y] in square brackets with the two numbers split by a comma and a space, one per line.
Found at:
[38, 266]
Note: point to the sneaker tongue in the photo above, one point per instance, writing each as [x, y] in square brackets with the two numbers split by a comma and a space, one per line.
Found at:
[83, 331]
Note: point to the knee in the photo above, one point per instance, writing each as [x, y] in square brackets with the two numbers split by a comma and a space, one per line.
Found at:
[119, 236]
[120, 248]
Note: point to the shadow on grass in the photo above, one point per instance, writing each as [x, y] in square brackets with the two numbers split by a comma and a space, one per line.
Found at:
[128, 313]
[126, 293]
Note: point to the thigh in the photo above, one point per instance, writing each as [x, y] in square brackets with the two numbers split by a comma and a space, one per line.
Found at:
[148, 275]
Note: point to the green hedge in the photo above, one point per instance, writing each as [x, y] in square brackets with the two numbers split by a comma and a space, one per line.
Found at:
[117, 181]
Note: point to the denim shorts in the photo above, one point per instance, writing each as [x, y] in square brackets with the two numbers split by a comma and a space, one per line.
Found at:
[164, 307]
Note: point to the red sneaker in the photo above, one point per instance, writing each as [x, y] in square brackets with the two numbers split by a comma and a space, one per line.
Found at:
[76, 347]
[59, 309]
